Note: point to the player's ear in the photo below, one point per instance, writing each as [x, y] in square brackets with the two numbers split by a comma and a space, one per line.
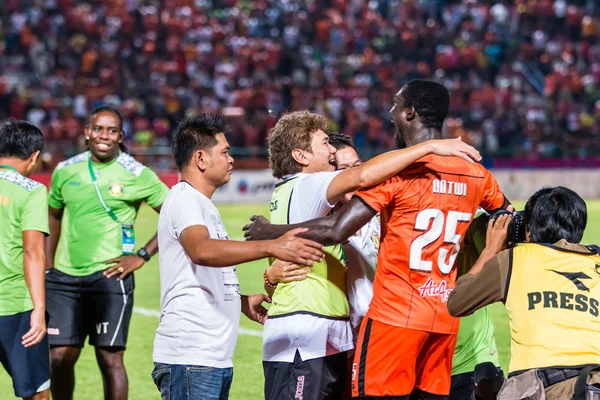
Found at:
[300, 157]
[410, 113]
[201, 159]
[33, 159]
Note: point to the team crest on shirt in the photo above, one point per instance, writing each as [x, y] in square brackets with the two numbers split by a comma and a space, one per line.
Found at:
[116, 189]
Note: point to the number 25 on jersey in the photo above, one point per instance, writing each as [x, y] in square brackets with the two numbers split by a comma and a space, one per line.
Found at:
[437, 226]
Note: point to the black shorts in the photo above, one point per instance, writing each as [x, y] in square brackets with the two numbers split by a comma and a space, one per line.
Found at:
[317, 379]
[462, 386]
[91, 305]
[29, 367]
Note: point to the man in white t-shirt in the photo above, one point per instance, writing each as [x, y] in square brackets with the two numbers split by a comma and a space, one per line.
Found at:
[200, 296]
[308, 332]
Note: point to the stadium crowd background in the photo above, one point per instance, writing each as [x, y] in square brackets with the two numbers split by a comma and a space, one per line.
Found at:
[524, 75]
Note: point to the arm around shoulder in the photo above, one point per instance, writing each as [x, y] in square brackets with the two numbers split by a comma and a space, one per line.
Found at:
[386, 165]
[375, 171]
[329, 230]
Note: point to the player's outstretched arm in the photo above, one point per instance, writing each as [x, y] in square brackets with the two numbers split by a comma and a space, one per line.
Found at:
[55, 223]
[384, 166]
[203, 250]
[333, 229]
[35, 277]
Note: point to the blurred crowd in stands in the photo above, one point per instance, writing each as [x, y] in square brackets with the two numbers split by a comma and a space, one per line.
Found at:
[524, 75]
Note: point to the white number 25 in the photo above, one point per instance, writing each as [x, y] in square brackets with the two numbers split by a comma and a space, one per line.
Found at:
[450, 237]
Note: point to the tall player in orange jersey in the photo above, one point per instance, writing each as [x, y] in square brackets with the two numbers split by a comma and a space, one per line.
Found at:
[407, 338]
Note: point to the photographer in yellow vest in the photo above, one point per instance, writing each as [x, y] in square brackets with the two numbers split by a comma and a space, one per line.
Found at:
[550, 286]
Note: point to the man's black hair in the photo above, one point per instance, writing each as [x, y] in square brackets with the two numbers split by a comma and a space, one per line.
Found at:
[112, 110]
[339, 141]
[20, 139]
[555, 213]
[195, 133]
[430, 100]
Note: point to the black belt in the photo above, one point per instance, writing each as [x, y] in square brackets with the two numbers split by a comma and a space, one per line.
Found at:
[551, 376]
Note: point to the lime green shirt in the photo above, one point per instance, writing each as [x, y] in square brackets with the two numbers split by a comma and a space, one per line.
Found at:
[475, 343]
[89, 236]
[23, 207]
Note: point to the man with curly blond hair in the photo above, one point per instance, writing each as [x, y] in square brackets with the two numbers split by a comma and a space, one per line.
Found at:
[307, 334]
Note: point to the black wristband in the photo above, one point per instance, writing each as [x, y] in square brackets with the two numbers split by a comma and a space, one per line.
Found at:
[144, 254]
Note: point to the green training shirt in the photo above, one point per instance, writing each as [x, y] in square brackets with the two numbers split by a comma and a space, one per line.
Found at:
[89, 236]
[23, 207]
[475, 343]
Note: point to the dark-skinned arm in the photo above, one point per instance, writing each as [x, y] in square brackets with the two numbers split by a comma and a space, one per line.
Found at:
[132, 262]
[152, 245]
[333, 229]
[51, 242]
[493, 198]
[507, 205]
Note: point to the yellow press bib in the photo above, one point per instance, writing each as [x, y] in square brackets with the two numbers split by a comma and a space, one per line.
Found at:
[553, 302]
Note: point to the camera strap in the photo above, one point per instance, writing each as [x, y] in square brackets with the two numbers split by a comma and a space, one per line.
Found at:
[581, 384]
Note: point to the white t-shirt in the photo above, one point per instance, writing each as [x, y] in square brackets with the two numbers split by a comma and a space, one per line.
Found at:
[199, 306]
[362, 251]
[314, 337]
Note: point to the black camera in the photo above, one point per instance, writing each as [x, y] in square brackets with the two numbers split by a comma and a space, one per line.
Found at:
[516, 226]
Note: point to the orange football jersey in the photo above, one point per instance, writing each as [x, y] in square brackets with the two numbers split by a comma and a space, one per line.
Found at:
[425, 212]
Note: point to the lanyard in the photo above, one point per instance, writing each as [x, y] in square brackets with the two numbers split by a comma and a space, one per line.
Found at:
[95, 182]
[8, 167]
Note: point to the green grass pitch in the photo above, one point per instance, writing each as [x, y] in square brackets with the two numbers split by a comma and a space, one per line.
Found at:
[248, 378]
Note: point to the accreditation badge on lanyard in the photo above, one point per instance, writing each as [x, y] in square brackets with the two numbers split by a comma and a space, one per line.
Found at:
[127, 232]
[128, 239]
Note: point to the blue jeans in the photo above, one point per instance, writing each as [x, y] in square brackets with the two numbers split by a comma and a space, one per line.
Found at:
[192, 382]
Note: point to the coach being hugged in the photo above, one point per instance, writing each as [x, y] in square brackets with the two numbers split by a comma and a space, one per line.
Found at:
[550, 287]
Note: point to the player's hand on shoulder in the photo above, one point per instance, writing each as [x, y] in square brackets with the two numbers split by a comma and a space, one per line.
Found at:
[258, 229]
[253, 309]
[454, 147]
[292, 248]
[285, 272]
